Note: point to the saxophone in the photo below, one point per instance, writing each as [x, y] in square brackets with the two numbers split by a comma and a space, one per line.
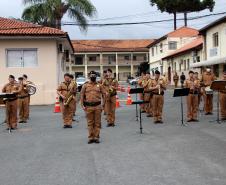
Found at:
[70, 95]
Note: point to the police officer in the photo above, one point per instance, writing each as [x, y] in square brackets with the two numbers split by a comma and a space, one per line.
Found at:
[111, 85]
[23, 102]
[192, 99]
[92, 96]
[223, 100]
[66, 91]
[74, 83]
[207, 79]
[158, 86]
[11, 103]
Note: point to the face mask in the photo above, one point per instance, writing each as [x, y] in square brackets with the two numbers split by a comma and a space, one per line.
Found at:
[93, 79]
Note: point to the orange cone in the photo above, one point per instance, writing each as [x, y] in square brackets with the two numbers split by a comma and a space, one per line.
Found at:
[122, 89]
[57, 106]
[117, 102]
[129, 100]
[128, 89]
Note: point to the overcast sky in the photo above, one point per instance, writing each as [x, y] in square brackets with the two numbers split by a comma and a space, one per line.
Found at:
[120, 11]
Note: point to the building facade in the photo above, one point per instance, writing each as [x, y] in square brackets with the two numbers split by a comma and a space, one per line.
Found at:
[168, 44]
[214, 47]
[40, 52]
[122, 56]
[181, 60]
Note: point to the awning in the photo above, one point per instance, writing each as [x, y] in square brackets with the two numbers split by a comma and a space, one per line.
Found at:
[210, 62]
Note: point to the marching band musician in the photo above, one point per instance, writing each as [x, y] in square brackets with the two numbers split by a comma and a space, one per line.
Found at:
[92, 94]
[74, 83]
[196, 77]
[192, 99]
[206, 81]
[141, 82]
[110, 85]
[146, 95]
[150, 100]
[175, 79]
[104, 77]
[23, 102]
[26, 81]
[66, 91]
[11, 103]
[158, 86]
[223, 100]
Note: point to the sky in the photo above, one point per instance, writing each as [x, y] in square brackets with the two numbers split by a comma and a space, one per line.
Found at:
[119, 11]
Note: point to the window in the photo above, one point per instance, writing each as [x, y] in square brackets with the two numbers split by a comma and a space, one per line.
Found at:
[215, 40]
[188, 63]
[93, 58]
[134, 58]
[111, 59]
[161, 48]
[152, 51]
[172, 45]
[78, 60]
[185, 66]
[127, 57]
[224, 67]
[21, 58]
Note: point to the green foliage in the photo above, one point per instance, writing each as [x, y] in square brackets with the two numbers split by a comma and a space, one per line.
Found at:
[51, 12]
[179, 6]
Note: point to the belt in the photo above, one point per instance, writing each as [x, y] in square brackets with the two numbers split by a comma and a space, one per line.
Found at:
[92, 104]
[9, 100]
[196, 92]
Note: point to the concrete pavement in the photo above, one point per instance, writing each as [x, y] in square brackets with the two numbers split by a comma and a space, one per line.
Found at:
[42, 153]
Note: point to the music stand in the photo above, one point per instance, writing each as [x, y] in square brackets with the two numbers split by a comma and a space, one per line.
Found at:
[136, 91]
[138, 102]
[181, 92]
[218, 85]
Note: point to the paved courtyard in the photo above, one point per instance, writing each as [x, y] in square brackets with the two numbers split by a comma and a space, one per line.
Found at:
[43, 153]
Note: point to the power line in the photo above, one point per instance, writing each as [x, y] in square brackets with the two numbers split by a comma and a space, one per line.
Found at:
[119, 17]
[137, 23]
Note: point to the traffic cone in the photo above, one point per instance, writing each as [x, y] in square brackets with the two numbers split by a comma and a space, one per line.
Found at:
[117, 102]
[129, 100]
[57, 106]
[128, 89]
[122, 89]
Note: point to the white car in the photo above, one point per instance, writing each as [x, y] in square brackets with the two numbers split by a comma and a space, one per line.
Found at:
[80, 81]
[133, 81]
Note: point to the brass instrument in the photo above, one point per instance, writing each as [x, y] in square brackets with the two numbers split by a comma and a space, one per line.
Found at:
[30, 87]
[70, 95]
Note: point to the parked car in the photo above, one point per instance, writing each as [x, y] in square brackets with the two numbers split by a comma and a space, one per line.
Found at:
[80, 81]
[133, 81]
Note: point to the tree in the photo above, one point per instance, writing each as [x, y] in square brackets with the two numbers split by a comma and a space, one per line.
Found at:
[182, 6]
[51, 12]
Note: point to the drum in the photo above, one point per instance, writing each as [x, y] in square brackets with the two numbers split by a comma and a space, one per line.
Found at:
[208, 90]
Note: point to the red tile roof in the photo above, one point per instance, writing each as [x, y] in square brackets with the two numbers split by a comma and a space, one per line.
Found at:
[12, 27]
[111, 45]
[180, 32]
[197, 43]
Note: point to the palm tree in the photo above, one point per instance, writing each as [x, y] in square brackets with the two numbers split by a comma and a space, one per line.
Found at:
[51, 12]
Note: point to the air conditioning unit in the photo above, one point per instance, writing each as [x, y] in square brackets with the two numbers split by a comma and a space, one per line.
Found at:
[61, 48]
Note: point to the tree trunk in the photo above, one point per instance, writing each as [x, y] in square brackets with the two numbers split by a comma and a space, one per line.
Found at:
[175, 20]
[185, 19]
[58, 23]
